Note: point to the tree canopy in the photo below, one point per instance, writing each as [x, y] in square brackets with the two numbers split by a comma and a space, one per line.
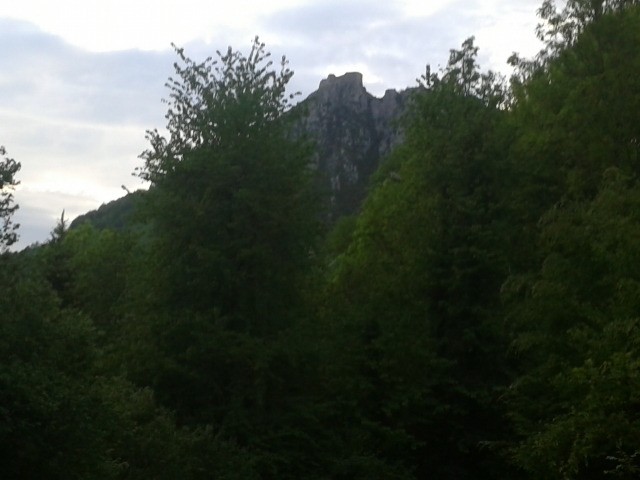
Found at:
[477, 319]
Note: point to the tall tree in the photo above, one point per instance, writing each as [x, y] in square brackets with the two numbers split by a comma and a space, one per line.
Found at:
[8, 169]
[231, 190]
[578, 340]
[577, 116]
[572, 307]
[235, 221]
[560, 28]
[415, 297]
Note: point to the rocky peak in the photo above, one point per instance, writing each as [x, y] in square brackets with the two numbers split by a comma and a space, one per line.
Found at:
[353, 131]
[345, 89]
[349, 79]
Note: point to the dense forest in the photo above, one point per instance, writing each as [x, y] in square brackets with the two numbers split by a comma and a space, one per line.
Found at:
[479, 318]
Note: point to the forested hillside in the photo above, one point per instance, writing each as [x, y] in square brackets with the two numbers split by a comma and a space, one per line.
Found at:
[479, 318]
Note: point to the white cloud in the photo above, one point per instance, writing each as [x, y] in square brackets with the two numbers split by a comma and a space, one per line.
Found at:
[67, 165]
[420, 8]
[106, 25]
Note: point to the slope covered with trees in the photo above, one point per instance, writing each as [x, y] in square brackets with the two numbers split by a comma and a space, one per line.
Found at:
[477, 319]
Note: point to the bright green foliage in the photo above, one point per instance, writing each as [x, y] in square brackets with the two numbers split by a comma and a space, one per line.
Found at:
[579, 116]
[8, 169]
[574, 310]
[576, 403]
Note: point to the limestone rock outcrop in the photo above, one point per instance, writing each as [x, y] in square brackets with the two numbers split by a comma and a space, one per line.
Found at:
[352, 131]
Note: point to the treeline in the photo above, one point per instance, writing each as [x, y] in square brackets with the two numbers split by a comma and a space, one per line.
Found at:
[478, 319]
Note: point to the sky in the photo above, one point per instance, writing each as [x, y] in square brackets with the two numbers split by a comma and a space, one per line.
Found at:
[82, 80]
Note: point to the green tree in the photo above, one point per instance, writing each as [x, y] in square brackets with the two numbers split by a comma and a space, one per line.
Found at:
[234, 221]
[231, 191]
[570, 301]
[8, 169]
[414, 301]
[577, 116]
[578, 339]
[66, 410]
[560, 29]
[60, 230]
[98, 264]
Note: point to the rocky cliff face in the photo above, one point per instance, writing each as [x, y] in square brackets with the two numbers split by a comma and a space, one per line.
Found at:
[353, 131]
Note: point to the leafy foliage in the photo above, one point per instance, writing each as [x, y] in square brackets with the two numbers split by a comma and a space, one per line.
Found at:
[477, 319]
[578, 332]
[573, 309]
[216, 103]
[418, 285]
[561, 29]
[8, 169]
[120, 214]
[235, 223]
[232, 198]
[63, 416]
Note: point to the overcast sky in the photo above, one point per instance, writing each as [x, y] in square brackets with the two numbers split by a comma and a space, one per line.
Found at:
[81, 80]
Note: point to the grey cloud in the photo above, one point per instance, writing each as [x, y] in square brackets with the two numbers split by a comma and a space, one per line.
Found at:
[37, 222]
[59, 80]
[393, 47]
[320, 21]
[74, 119]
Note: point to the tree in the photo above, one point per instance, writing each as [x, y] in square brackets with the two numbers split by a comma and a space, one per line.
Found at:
[573, 305]
[64, 414]
[578, 339]
[8, 169]
[560, 29]
[578, 116]
[234, 224]
[60, 230]
[463, 76]
[231, 196]
[413, 302]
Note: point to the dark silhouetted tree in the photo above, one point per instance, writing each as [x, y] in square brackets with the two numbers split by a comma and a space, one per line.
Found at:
[8, 169]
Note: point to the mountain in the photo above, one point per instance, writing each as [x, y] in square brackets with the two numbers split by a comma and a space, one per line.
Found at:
[352, 131]
[115, 215]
